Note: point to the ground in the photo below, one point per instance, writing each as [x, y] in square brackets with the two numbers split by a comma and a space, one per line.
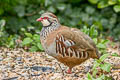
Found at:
[17, 64]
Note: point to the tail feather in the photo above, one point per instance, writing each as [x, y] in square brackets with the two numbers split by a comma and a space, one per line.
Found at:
[98, 54]
[95, 54]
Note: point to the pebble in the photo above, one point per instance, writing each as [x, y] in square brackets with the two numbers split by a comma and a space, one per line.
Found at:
[17, 64]
[1, 58]
[19, 58]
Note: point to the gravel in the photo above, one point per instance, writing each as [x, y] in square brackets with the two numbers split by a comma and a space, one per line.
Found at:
[18, 64]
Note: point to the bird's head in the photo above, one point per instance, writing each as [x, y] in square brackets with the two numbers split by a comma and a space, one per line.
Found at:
[47, 19]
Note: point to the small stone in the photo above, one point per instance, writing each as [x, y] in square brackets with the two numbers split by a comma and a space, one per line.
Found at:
[1, 58]
[19, 58]
[56, 76]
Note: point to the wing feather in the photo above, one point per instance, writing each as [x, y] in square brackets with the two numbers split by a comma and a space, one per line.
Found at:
[75, 43]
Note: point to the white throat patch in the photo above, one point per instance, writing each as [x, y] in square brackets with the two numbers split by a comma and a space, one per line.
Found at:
[45, 22]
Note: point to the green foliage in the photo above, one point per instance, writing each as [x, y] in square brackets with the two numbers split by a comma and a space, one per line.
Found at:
[106, 3]
[102, 65]
[78, 13]
[102, 77]
[89, 76]
[99, 63]
[33, 42]
[102, 58]
[116, 55]
[6, 39]
[2, 32]
[117, 8]
[94, 17]
[92, 32]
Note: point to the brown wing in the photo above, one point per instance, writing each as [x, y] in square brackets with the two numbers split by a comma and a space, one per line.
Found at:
[71, 42]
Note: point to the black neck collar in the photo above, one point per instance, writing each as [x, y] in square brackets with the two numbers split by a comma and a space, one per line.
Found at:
[48, 25]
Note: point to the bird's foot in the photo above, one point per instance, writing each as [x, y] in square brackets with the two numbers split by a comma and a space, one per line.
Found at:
[69, 71]
[60, 68]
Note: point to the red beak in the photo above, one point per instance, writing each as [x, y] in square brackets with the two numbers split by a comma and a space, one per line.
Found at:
[39, 19]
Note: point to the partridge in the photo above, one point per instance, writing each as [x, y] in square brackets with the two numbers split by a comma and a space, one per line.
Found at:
[68, 45]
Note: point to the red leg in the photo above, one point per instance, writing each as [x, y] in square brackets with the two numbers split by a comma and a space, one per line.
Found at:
[69, 71]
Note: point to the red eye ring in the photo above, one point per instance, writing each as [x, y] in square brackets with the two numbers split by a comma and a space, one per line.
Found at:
[45, 17]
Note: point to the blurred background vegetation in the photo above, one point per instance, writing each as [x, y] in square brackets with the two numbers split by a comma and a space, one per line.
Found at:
[18, 18]
[100, 19]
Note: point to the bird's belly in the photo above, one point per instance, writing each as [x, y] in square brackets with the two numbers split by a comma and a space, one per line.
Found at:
[70, 61]
[51, 50]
